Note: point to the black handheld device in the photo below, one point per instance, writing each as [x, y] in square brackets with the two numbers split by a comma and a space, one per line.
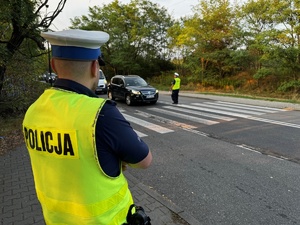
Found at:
[137, 218]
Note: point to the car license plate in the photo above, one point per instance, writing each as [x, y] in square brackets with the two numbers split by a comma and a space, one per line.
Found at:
[150, 96]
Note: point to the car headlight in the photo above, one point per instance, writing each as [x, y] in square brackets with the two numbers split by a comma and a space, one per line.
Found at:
[135, 92]
[156, 91]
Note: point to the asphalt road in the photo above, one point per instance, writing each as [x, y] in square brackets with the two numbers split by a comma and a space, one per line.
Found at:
[221, 162]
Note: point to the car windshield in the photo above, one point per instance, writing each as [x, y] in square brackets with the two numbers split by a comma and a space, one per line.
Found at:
[101, 75]
[135, 81]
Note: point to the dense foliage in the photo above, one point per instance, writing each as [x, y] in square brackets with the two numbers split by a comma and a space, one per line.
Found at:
[138, 36]
[229, 45]
[259, 37]
[22, 51]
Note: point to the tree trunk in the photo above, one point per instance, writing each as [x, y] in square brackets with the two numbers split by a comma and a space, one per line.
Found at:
[202, 67]
[11, 47]
[2, 72]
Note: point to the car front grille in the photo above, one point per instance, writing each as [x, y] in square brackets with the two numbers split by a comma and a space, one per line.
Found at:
[148, 93]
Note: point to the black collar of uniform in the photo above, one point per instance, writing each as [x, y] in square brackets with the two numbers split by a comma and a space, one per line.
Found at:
[73, 86]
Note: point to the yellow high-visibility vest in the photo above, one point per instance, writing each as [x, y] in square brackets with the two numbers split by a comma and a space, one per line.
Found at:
[59, 131]
[176, 86]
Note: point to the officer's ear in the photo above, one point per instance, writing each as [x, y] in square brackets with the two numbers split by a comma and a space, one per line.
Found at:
[53, 65]
[95, 68]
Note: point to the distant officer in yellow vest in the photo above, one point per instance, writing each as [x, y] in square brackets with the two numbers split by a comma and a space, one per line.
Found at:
[175, 87]
[78, 143]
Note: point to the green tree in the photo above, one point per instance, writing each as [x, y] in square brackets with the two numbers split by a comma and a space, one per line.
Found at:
[21, 22]
[286, 52]
[138, 41]
[206, 38]
[257, 25]
[272, 31]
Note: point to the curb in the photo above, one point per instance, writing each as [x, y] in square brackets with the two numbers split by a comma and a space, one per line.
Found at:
[165, 202]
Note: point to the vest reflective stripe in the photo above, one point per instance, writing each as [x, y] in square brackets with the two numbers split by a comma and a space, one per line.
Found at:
[81, 210]
[176, 86]
[65, 122]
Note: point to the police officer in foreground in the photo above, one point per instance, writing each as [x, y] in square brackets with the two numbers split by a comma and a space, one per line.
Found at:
[175, 87]
[79, 143]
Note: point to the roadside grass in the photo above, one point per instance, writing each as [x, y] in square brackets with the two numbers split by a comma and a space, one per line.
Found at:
[275, 97]
[238, 95]
[9, 124]
[241, 85]
[12, 112]
[10, 133]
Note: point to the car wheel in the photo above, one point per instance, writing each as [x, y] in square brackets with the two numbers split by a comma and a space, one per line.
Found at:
[128, 100]
[110, 96]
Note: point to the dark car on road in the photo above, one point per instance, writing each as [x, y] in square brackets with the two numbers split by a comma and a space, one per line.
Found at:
[48, 77]
[52, 78]
[132, 89]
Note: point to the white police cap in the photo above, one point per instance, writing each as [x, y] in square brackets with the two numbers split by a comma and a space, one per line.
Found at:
[176, 74]
[76, 44]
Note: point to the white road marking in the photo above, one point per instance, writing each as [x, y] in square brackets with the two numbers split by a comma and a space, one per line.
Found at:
[151, 126]
[213, 110]
[248, 148]
[140, 134]
[249, 117]
[225, 108]
[255, 151]
[254, 106]
[274, 122]
[197, 132]
[187, 117]
[164, 120]
[208, 107]
[200, 113]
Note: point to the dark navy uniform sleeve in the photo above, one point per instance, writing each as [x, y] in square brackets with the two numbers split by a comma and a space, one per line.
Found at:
[117, 141]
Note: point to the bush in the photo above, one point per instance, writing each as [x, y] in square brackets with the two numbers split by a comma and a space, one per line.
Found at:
[290, 86]
[17, 97]
[21, 86]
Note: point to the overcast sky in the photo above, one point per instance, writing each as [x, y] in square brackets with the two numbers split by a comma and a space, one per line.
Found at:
[73, 8]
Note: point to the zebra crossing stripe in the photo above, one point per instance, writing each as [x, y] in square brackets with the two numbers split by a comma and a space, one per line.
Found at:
[243, 106]
[199, 107]
[151, 126]
[213, 110]
[227, 109]
[140, 134]
[164, 120]
[247, 116]
[198, 113]
[184, 116]
[274, 122]
[204, 108]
